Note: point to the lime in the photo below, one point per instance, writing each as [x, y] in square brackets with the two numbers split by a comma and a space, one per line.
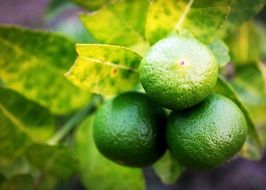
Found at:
[129, 130]
[208, 134]
[178, 72]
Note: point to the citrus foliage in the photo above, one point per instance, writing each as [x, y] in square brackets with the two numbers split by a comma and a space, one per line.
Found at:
[33, 60]
[33, 86]
[117, 67]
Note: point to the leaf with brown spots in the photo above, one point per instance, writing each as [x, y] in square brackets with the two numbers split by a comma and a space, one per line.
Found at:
[104, 69]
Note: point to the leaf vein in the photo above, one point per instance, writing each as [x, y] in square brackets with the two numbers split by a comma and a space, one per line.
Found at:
[14, 120]
[129, 26]
[107, 63]
[184, 14]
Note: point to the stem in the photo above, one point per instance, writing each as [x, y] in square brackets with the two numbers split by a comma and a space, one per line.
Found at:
[38, 180]
[75, 120]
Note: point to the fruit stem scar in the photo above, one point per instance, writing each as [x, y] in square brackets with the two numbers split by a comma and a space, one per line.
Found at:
[182, 62]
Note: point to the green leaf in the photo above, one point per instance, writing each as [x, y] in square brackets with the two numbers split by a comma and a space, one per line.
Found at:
[33, 63]
[262, 68]
[19, 182]
[120, 23]
[22, 122]
[220, 52]
[262, 33]
[99, 173]
[53, 160]
[104, 69]
[91, 5]
[2, 180]
[252, 147]
[17, 166]
[49, 182]
[241, 11]
[203, 18]
[250, 85]
[168, 169]
[247, 43]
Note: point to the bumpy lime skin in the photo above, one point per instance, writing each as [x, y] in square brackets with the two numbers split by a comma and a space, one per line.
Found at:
[178, 72]
[208, 134]
[130, 130]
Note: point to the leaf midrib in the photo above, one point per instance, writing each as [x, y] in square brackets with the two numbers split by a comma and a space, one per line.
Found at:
[14, 120]
[141, 37]
[184, 14]
[107, 63]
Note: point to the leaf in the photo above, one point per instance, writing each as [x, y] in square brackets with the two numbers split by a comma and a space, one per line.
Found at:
[2, 180]
[262, 68]
[241, 11]
[203, 18]
[19, 182]
[22, 122]
[104, 69]
[119, 23]
[262, 33]
[94, 168]
[91, 5]
[249, 84]
[18, 166]
[49, 182]
[246, 45]
[33, 63]
[53, 160]
[252, 147]
[168, 169]
[220, 52]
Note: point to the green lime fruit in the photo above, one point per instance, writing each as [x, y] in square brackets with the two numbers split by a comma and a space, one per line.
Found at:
[208, 134]
[178, 72]
[130, 130]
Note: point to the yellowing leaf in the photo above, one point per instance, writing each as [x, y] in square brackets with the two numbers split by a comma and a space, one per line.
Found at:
[53, 160]
[203, 18]
[246, 45]
[104, 69]
[240, 11]
[33, 63]
[119, 23]
[21, 123]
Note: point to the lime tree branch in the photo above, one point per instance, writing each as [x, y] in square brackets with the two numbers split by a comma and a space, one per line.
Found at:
[75, 120]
